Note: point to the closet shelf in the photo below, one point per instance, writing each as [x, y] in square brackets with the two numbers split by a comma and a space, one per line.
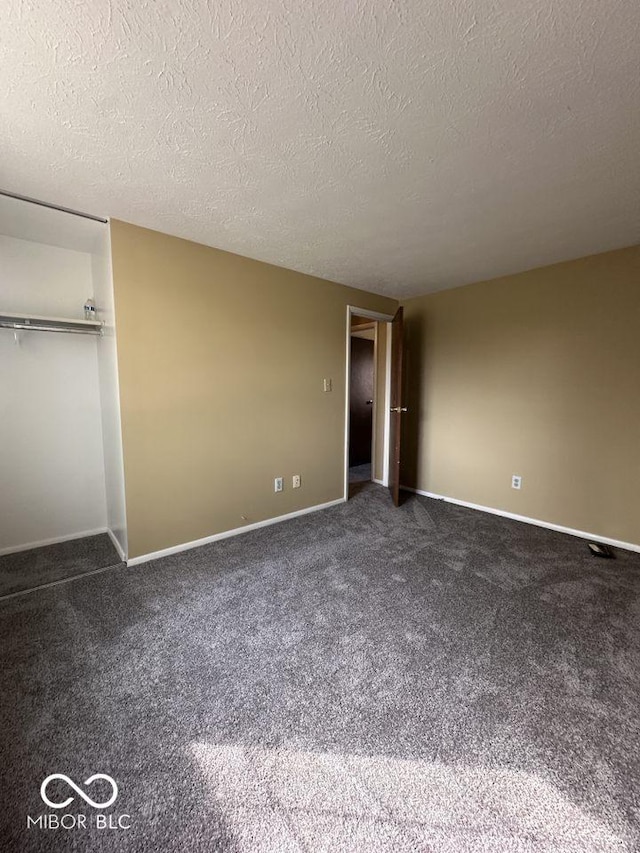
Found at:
[41, 323]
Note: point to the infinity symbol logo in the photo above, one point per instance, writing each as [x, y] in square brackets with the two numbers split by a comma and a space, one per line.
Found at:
[72, 784]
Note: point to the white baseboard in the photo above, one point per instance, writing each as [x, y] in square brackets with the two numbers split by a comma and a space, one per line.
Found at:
[379, 482]
[226, 534]
[582, 534]
[117, 545]
[15, 549]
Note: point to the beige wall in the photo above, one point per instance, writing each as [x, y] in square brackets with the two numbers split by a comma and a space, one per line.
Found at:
[221, 363]
[536, 374]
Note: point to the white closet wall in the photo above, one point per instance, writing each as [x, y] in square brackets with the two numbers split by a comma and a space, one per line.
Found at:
[52, 480]
[109, 392]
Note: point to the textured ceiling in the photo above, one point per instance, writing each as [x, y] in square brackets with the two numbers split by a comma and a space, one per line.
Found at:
[399, 146]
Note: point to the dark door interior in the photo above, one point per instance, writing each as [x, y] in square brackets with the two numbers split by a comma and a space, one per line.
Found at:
[361, 396]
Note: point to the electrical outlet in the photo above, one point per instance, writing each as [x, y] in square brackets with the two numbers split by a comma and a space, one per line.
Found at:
[328, 385]
[278, 484]
[296, 481]
[516, 481]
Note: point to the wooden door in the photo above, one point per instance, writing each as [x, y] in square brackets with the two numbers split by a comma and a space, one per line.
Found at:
[361, 401]
[397, 409]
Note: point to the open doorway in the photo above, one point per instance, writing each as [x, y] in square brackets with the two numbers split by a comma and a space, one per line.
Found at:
[367, 403]
[362, 381]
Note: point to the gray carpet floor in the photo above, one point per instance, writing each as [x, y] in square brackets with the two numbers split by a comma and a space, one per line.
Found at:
[360, 473]
[37, 566]
[361, 679]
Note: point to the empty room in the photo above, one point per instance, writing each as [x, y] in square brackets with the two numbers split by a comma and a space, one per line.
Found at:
[320, 427]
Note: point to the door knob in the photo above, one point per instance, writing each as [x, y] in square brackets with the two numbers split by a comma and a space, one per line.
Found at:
[398, 409]
[369, 402]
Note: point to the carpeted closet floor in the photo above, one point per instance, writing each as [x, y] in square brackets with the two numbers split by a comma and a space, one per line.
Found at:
[53, 563]
[361, 679]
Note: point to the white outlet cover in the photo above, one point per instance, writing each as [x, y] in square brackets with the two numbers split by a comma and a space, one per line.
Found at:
[516, 481]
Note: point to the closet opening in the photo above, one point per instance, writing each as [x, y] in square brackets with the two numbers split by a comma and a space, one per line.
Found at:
[62, 498]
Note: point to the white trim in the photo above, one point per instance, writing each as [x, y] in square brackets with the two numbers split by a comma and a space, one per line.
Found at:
[365, 312]
[118, 490]
[226, 534]
[384, 318]
[379, 482]
[55, 540]
[582, 534]
[117, 545]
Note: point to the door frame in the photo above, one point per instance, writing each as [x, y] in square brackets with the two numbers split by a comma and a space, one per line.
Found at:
[383, 318]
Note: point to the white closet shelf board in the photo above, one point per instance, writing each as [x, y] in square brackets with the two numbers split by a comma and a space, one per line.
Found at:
[41, 318]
